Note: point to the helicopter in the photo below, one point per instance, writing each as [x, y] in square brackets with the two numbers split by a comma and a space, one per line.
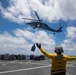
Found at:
[38, 23]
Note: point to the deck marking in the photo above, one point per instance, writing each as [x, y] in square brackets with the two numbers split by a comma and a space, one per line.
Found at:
[67, 74]
[24, 69]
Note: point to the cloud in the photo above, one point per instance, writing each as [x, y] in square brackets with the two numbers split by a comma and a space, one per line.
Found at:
[16, 10]
[68, 8]
[71, 32]
[23, 41]
[69, 42]
[47, 9]
[47, 40]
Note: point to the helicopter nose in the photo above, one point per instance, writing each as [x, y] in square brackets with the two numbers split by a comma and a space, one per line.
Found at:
[27, 23]
[61, 30]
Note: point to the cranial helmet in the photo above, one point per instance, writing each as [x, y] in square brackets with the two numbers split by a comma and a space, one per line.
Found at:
[59, 49]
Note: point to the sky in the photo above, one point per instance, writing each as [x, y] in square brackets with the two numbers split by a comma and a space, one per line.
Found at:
[17, 38]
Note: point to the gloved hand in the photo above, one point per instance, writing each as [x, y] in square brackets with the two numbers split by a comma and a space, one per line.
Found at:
[38, 45]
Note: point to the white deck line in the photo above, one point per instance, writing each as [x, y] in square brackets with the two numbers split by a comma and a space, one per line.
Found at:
[24, 69]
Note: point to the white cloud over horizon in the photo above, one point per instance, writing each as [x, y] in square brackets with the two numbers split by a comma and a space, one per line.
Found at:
[24, 39]
[69, 43]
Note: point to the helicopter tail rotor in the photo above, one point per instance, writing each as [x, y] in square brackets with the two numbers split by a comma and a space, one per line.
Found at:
[60, 28]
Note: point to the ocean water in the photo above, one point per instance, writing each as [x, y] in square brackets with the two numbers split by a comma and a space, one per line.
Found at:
[27, 57]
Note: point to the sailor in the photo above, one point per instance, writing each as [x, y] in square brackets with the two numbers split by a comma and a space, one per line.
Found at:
[58, 60]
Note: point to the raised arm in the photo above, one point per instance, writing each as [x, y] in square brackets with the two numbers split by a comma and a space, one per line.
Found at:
[69, 58]
[47, 54]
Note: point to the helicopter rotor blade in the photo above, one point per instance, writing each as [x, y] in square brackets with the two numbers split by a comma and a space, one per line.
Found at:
[37, 16]
[30, 19]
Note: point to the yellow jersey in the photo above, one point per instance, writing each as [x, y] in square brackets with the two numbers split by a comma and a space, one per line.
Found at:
[58, 61]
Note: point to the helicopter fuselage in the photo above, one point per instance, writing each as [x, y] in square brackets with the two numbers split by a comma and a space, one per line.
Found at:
[38, 25]
[42, 26]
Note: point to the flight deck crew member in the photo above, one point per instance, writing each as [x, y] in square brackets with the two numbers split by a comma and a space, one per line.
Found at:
[58, 60]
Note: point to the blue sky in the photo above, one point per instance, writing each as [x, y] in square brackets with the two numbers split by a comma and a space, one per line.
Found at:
[17, 38]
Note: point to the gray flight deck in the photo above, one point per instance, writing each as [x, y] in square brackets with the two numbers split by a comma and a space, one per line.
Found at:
[28, 67]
